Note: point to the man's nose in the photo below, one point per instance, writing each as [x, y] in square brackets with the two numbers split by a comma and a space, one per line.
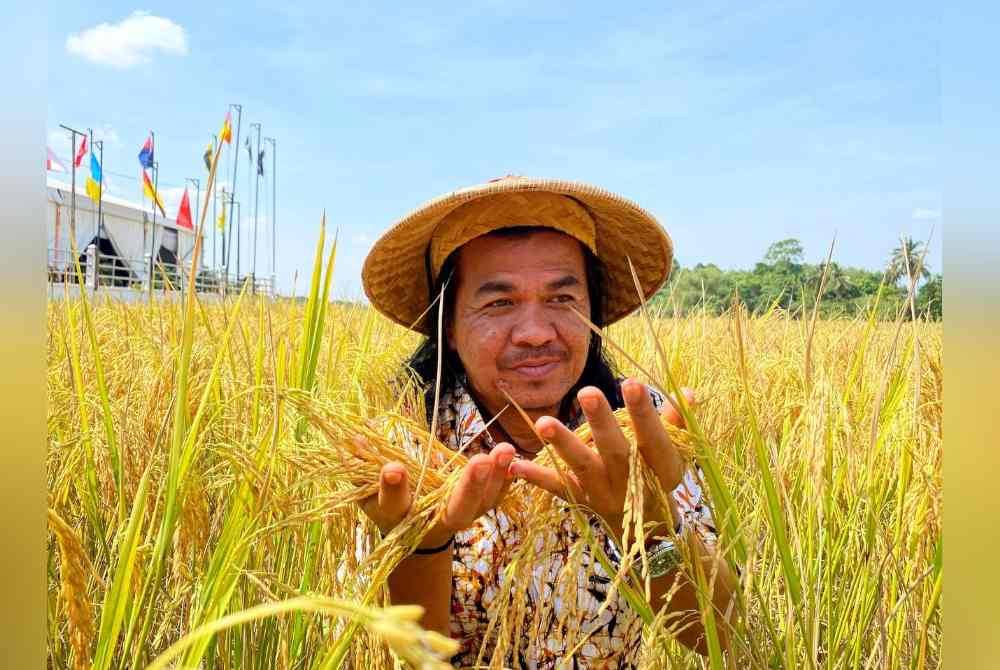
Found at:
[533, 328]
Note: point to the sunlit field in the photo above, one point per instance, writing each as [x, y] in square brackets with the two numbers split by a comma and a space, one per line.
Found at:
[202, 485]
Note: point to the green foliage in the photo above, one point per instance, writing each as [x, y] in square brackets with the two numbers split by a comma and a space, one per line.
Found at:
[789, 251]
[929, 298]
[783, 281]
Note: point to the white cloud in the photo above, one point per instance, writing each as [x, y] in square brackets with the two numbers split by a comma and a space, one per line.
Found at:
[172, 199]
[130, 42]
[60, 139]
[59, 142]
[108, 135]
[923, 214]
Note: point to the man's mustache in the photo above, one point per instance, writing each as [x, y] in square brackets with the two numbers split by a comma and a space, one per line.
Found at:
[522, 355]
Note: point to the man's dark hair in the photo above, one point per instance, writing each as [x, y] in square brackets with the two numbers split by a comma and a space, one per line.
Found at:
[597, 371]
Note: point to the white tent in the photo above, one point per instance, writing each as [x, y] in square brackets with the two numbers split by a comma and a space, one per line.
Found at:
[128, 230]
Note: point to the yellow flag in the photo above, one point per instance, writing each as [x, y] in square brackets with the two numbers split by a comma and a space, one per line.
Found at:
[221, 222]
[226, 134]
[93, 189]
[150, 192]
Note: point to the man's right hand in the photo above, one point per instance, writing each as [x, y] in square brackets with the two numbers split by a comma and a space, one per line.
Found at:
[482, 485]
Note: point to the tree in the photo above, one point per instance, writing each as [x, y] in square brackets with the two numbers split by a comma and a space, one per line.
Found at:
[907, 261]
[782, 281]
[788, 251]
[929, 298]
[838, 284]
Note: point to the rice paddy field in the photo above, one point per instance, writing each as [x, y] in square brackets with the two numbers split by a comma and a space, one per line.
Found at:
[202, 487]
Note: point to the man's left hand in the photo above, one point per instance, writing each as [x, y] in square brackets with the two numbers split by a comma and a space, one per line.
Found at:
[598, 479]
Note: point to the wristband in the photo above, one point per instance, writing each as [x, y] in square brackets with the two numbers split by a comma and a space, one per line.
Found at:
[434, 550]
[663, 554]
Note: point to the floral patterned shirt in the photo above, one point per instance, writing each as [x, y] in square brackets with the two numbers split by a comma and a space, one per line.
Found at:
[611, 638]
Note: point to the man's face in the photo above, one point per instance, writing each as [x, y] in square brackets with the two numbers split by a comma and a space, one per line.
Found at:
[512, 323]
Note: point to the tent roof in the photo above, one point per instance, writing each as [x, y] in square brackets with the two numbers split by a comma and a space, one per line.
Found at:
[138, 208]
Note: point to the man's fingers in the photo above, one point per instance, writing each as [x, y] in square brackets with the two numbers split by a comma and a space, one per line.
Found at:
[467, 497]
[655, 445]
[582, 460]
[670, 412]
[501, 456]
[388, 507]
[547, 479]
[608, 437]
[393, 490]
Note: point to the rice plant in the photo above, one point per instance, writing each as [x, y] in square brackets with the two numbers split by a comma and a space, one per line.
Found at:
[202, 483]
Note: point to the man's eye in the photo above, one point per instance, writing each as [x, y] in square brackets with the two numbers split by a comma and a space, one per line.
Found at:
[564, 298]
[502, 302]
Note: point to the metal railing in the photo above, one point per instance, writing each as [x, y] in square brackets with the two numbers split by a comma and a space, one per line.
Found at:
[112, 271]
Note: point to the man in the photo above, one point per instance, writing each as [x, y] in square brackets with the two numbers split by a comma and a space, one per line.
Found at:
[517, 259]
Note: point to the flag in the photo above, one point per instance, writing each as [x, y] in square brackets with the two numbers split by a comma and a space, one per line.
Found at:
[80, 152]
[93, 185]
[146, 154]
[184, 213]
[249, 151]
[226, 134]
[149, 191]
[260, 163]
[95, 168]
[207, 156]
[93, 189]
[52, 161]
[221, 221]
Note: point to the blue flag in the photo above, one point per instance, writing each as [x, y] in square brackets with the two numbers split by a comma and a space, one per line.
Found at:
[95, 168]
[146, 155]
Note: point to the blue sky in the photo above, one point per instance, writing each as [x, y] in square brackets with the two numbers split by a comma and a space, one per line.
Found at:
[736, 124]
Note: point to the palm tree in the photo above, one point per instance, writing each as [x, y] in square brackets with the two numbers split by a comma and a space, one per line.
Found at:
[837, 281]
[907, 261]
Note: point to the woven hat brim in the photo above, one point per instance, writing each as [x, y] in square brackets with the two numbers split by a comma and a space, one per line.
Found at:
[394, 275]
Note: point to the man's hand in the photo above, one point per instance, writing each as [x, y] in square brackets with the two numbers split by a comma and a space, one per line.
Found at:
[599, 479]
[482, 485]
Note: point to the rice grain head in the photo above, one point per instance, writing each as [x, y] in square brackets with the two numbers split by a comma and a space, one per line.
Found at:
[73, 569]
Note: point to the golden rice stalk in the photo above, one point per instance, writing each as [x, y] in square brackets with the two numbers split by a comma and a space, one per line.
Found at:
[398, 438]
[396, 625]
[73, 568]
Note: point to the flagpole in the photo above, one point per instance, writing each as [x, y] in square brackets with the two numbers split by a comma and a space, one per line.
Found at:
[100, 219]
[90, 133]
[72, 195]
[152, 236]
[197, 203]
[72, 202]
[232, 195]
[234, 216]
[274, 205]
[152, 231]
[249, 175]
[222, 236]
[215, 232]
[238, 231]
[256, 204]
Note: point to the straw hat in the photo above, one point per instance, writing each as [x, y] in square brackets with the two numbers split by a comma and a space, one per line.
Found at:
[402, 266]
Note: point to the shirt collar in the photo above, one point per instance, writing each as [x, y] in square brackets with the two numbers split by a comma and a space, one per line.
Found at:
[460, 423]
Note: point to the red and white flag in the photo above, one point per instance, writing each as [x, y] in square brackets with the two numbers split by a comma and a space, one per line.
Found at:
[184, 213]
[52, 161]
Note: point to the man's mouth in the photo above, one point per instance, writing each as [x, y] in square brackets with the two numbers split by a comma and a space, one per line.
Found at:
[534, 369]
